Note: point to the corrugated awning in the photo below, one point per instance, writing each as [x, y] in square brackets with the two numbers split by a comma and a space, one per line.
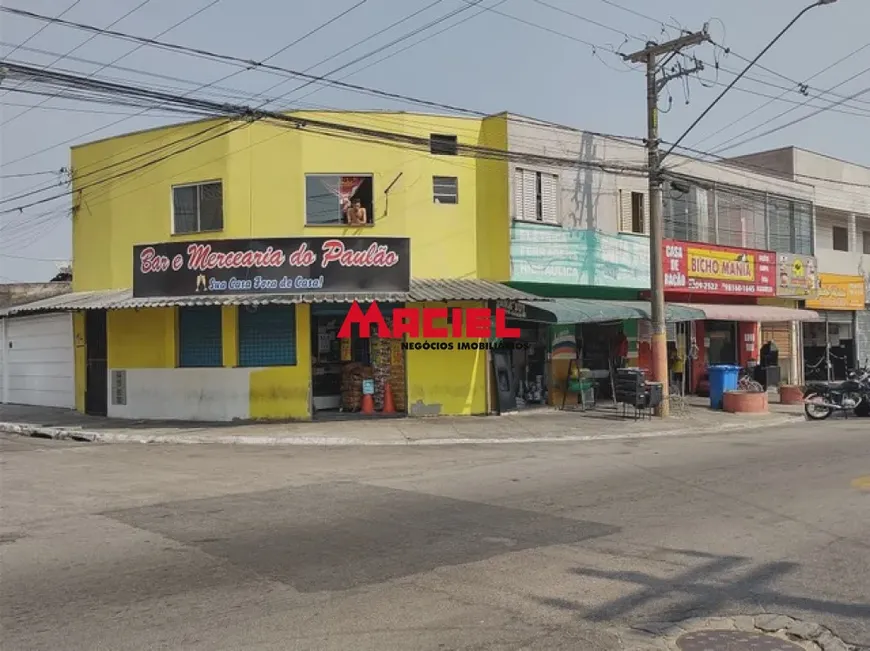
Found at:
[434, 290]
[754, 313]
[581, 310]
[465, 289]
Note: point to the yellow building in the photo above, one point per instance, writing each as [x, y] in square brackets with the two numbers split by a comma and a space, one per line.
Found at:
[189, 347]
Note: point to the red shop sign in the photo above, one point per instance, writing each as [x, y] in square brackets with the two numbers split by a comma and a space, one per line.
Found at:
[710, 269]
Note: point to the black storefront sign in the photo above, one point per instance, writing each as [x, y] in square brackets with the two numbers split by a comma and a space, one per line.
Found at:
[287, 265]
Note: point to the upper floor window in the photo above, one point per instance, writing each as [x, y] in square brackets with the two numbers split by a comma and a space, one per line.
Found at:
[841, 238]
[339, 199]
[445, 189]
[536, 196]
[443, 144]
[197, 207]
[632, 212]
[866, 237]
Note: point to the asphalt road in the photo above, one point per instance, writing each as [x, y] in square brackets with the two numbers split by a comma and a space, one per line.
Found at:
[557, 546]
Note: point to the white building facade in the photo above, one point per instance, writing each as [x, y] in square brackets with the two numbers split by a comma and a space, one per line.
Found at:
[842, 246]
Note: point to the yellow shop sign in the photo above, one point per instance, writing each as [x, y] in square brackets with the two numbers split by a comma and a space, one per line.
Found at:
[839, 292]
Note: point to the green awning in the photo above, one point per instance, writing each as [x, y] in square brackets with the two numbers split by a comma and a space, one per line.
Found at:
[582, 310]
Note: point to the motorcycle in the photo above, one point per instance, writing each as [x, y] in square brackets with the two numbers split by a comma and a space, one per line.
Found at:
[823, 399]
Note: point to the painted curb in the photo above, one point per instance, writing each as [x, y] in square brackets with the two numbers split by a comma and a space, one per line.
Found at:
[61, 434]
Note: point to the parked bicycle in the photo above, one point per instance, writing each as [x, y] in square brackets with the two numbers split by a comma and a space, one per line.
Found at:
[746, 383]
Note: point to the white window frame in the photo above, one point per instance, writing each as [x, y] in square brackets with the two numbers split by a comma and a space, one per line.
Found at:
[195, 184]
[519, 212]
[625, 221]
[435, 193]
[305, 176]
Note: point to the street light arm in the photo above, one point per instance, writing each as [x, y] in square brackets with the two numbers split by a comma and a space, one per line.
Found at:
[738, 77]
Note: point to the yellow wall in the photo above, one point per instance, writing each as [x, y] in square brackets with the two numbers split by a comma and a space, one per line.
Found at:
[446, 382]
[147, 338]
[142, 338]
[80, 359]
[263, 169]
[284, 391]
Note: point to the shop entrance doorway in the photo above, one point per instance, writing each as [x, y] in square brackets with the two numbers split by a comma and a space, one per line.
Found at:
[722, 336]
[529, 365]
[343, 369]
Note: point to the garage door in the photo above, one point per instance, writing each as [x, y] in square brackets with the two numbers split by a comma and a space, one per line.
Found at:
[38, 362]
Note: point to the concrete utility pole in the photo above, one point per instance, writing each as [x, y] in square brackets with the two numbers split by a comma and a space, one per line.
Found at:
[654, 85]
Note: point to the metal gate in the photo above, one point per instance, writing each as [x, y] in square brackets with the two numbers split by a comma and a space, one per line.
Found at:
[862, 337]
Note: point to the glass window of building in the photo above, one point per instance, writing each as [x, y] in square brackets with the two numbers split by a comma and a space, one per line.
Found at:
[197, 207]
[337, 199]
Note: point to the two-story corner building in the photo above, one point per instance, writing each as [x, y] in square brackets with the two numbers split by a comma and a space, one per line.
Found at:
[214, 263]
[842, 246]
[738, 252]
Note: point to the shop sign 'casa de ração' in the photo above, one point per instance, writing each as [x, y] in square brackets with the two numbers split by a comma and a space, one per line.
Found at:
[295, 265]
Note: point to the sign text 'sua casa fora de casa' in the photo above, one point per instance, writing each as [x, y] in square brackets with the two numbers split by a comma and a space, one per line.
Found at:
[273, 266]
[413, 322]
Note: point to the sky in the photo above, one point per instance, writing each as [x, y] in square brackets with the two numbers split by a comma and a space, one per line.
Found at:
[531, 57]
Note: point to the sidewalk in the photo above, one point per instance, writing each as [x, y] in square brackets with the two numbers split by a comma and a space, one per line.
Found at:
[534, 426]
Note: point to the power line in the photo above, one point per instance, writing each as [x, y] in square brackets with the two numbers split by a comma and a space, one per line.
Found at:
[743, 72]
[586, 19]
[725, 146]
[314, 30]
[78, 177]
[69, 109]
[247, 64]
[381, 48]
[768, 103]
[555, 32]
[356, 72]
[144, 165]
[346, 49]
[788, 124]
[760, 168]
[316, 126]
[42, 29]
[28, 174]
[80, 45]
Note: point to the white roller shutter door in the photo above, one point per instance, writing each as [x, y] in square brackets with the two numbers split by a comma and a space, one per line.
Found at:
[38, 360]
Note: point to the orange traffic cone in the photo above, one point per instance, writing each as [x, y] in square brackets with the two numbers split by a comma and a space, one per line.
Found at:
[389, 407]
[367, 405]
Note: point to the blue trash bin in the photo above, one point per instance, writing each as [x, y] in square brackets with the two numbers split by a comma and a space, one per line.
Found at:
[723, 377]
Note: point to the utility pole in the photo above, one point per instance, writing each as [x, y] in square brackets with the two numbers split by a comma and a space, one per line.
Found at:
[654, 85]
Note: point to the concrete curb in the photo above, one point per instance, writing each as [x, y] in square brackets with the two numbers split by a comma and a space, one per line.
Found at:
[61, 434]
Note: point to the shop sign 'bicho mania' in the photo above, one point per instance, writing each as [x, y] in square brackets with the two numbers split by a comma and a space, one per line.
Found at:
[710, 269]
[272, 266]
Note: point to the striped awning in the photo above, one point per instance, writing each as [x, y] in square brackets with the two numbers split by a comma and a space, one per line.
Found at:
[752, 313]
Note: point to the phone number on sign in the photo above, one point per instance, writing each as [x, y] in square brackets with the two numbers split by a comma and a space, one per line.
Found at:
[731, 288]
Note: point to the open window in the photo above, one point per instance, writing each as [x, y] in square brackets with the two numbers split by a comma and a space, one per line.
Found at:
[339, 199]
